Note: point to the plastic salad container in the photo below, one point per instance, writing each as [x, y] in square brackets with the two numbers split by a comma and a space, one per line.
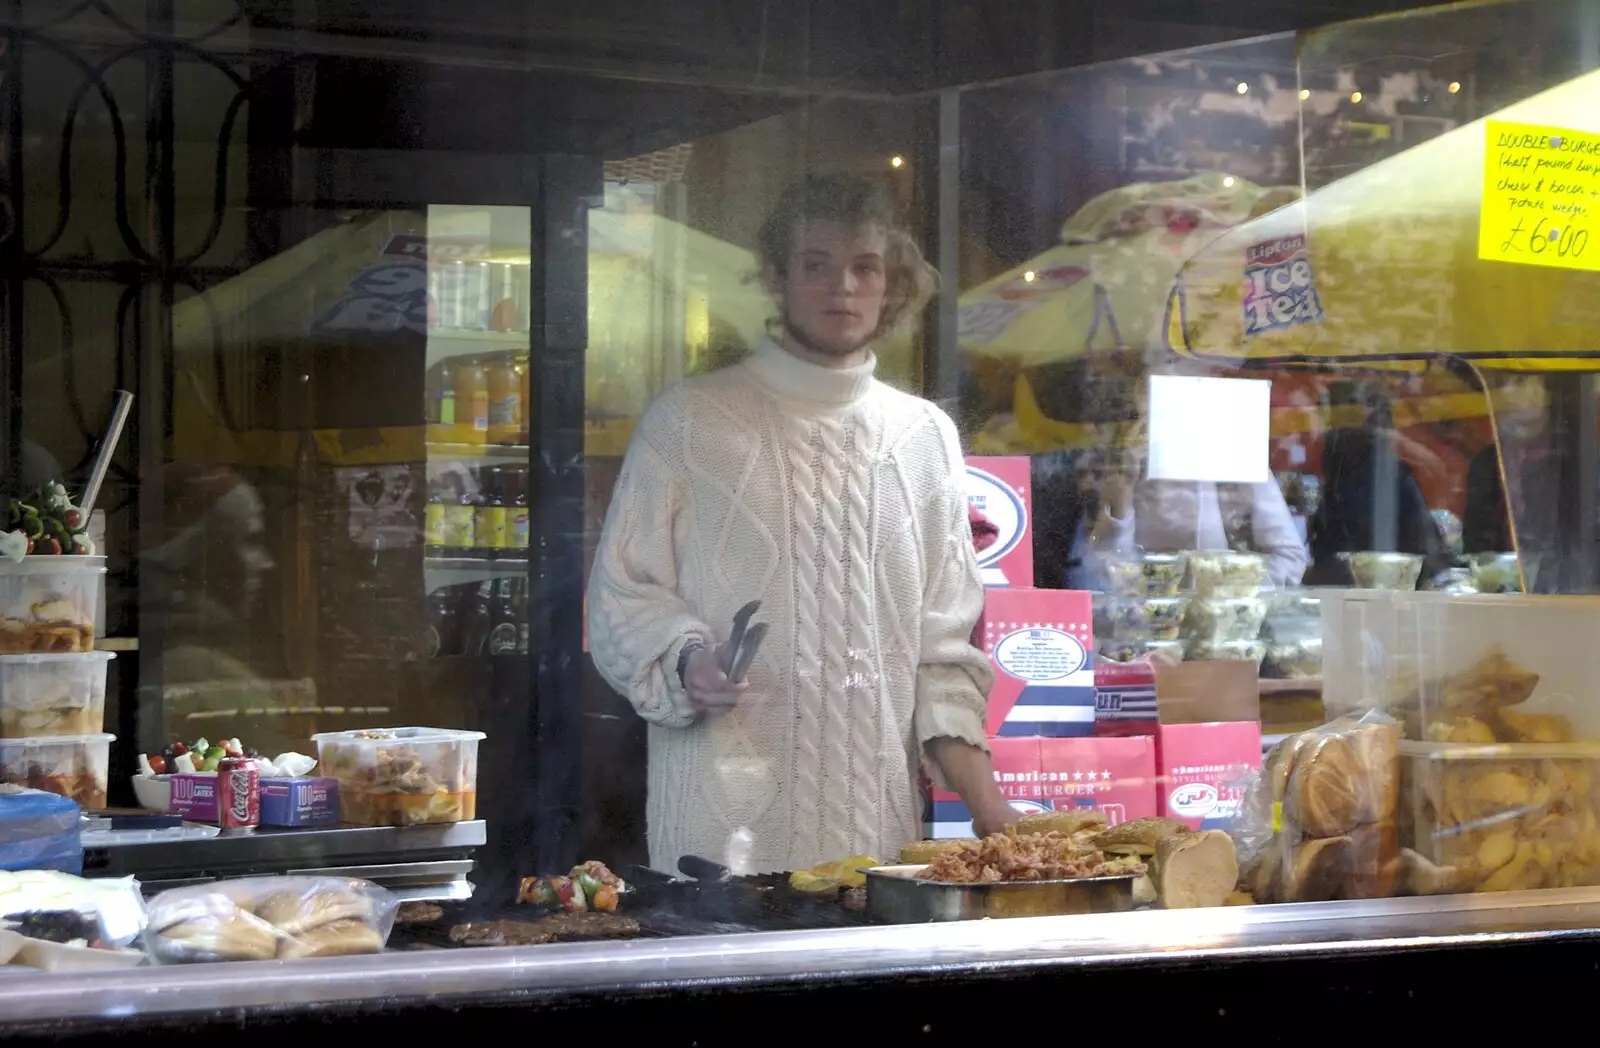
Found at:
[1225, 618]
[402, 776]
[1147, 575]
[1148, 618]
[49, 695]
[70, 765]
[49, 603]
[1228, 650]
[1228, 574]
[1385, 571]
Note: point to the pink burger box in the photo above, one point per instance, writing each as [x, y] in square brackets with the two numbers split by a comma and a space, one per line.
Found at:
[194, 796]
[1203, 770]
[1001, 488]
[1040, 643]
[1206, 721]
[1116, 776]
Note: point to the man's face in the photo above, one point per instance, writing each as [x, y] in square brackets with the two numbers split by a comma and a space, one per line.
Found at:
[832, 294]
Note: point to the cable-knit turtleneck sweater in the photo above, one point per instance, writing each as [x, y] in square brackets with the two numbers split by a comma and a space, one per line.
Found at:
[837, 501]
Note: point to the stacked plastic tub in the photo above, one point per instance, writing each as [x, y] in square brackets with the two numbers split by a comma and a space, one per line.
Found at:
[52, 681]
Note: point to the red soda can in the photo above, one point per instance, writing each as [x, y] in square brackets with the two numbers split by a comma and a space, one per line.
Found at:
[238, 795]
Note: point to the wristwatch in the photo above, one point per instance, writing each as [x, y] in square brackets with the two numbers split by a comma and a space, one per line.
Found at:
[683, 660]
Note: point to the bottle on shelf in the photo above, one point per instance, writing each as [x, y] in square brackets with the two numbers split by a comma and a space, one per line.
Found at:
[433, 522]
[503, 628]
[519, 611]
[515, 482]
[442, 402]
[460, 520]
[444, 632]
[471, 401]
[476, 616]
[505, 400]
[522, 370]
[490, 533]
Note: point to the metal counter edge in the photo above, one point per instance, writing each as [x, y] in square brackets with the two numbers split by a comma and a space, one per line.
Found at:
[435, 977]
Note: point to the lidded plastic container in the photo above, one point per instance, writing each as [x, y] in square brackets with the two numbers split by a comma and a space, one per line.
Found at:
[50, 695]
[49, 604]
[402, 776]
[70, 765]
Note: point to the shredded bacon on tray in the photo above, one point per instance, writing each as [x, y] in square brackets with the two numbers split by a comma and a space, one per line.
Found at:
[1022, 857]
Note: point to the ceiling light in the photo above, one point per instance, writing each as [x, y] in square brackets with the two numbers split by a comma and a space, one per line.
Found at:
[1455, 85]
[1355, 96]
[1305, 93]
[1228, 182]
[1242, 87]
[897, 161]
[1030, 276]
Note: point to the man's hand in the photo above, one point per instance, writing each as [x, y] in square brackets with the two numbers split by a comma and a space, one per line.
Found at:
[970, 773]
[710, 690]
[994, 819]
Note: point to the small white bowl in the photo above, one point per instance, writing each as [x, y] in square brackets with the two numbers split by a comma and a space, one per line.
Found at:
[154, 792]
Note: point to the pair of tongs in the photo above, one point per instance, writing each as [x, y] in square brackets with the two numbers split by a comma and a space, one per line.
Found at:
[743, 643]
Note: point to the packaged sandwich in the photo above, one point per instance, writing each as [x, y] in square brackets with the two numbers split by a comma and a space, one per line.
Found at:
[260, 918]
[1320, 821]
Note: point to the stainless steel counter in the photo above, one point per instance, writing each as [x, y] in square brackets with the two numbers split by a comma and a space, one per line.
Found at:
[1105, 939]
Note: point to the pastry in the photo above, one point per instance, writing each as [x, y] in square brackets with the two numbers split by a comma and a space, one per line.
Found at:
[1195, 869]
[1328, 788]
[292, 913]
[340, 938]
[1469, 731]
[1065, 822]
[1492, 683]
[1533, 727]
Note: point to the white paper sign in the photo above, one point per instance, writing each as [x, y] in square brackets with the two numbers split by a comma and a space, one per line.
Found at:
[1212, 429]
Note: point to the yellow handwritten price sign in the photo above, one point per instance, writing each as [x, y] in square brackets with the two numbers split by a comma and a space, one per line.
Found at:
[1541, 196]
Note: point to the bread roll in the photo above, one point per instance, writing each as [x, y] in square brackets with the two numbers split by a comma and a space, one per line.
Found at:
[1319, 870]
[1137, 836]
[920, 853]
[1066, 822]
[292, 913]
[333, 939]
[1378, 747]
[1196, 869]
[237, 937]
[1328, 788]
[1374, 862]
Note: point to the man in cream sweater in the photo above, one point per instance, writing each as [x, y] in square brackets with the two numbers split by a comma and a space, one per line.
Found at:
[798, 479]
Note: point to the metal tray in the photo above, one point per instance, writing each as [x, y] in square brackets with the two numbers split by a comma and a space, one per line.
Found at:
[894, 894]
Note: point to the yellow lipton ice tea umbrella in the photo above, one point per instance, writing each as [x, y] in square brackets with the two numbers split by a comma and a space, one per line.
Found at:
[1105, 285]
[1384, 266]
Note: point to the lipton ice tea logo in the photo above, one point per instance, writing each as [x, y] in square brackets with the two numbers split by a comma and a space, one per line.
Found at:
[1279, 286]
[1193, 800]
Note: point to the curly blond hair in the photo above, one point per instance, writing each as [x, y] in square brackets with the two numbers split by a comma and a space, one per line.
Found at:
[852, 201]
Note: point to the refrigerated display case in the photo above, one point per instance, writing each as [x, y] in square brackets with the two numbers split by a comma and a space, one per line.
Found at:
[393, 302]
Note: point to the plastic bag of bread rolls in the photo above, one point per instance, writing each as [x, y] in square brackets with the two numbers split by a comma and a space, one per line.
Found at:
[1319, 822]
[261, 918]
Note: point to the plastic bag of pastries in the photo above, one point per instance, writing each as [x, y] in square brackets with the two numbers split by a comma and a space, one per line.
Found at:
[261, 918]
[1320, 821]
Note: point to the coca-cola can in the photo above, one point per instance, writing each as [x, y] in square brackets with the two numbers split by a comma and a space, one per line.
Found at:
[238, 795]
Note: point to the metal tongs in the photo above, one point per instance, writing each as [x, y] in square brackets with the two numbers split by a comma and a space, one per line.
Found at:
[743, 643]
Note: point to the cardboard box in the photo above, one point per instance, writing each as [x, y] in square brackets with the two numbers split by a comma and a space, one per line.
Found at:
[305, 801]
[1040, 643]
[1204, 769]
[1115, 775]
[1205, 718]
[194, 796]
[1001, 489]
